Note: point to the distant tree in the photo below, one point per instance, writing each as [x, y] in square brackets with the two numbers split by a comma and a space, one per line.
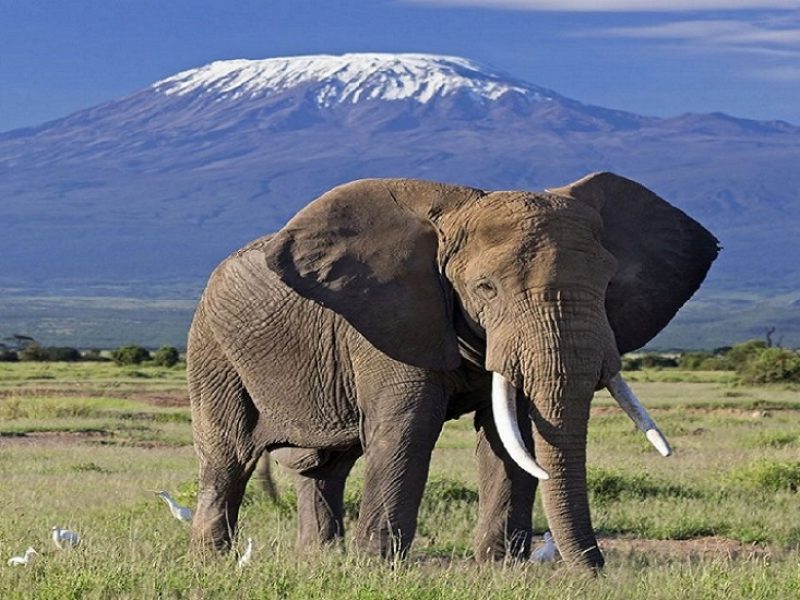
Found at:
[130, 355]
[21, 341]
[31, 352]
[166, 356]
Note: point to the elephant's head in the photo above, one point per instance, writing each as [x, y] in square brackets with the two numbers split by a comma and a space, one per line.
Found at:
[554, 285]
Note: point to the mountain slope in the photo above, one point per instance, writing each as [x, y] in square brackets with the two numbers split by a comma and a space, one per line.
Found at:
[158, 186]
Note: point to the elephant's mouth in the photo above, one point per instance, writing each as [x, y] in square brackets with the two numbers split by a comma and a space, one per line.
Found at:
[471, 339]
[505, 417]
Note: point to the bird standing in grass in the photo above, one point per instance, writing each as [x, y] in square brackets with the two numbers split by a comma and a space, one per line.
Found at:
[64, 539]
[545, 553]
[16, 561]
[181, 513]
[246, 555]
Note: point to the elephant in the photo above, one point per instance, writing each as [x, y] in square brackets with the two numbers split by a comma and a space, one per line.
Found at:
[388, 306]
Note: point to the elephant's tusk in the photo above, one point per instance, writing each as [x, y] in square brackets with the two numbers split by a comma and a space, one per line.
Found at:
[504, 410]
[628, 401]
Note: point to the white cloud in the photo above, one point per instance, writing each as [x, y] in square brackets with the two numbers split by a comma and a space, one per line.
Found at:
[619, 5]
[785, 74]
[767, 36]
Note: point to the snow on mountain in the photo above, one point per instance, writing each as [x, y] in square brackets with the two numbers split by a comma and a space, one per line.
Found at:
[349, 78]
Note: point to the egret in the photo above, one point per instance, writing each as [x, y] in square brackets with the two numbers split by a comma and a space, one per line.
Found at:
[546, 553]
[16, 561]
[64, 539]
[181, 513]
[246, 555]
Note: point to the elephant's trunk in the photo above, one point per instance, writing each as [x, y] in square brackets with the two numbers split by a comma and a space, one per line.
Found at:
[568, 357]
[561, 413]
[558, 366]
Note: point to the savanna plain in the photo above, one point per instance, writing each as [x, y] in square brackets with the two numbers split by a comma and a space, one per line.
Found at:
[82, 444]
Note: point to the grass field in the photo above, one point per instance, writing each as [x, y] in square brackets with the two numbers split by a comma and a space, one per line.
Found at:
[80, 445]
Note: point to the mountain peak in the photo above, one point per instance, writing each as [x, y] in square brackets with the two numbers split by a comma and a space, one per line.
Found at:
[349, 78]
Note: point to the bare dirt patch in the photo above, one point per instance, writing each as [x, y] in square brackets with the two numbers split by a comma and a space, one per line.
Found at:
[704, 548]
[726, 411]
[165, 398]
[51, 438]
[98, 437]
[618, 549]
[171, 398]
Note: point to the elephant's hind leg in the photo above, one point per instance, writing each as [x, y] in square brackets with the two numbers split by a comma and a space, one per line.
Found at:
[320, 497]
[223, 420]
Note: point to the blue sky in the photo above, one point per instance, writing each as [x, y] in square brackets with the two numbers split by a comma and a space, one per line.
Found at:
[657, 57]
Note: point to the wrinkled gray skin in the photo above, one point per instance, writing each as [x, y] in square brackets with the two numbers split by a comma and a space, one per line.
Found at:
[382, 309]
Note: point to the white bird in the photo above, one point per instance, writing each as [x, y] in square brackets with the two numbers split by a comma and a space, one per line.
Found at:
[181, 513]
[246, 555]
[546, 553]
[64, 539]
[15, 561]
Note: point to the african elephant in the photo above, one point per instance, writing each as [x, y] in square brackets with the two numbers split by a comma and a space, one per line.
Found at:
[386, 307]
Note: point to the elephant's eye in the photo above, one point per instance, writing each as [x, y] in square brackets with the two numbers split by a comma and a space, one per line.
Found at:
[485, 289]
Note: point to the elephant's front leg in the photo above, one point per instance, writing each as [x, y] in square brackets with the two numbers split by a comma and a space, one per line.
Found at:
[506, 493]
[403, 417]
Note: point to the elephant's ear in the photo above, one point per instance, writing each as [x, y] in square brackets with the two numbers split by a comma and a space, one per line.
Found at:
[663, 255]
[358, 252]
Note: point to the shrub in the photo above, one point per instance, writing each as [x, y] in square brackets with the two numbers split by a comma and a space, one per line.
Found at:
[34, 352]
[772, 365]
[768, 475]
[166, 356]
[648, 361]
[658, 361]
[94, 354]
[130, 355]
[630, 363]
[7, 355]
[693, 361]
[715, 363]
[62, 353]
[741, 354]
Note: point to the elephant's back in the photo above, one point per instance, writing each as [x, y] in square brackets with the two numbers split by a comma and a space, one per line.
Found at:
[244, 297]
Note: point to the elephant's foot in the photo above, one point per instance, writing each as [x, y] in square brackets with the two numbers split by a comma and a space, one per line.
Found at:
[390, 544]
[495, 546]
[209, 537]
[215, 519]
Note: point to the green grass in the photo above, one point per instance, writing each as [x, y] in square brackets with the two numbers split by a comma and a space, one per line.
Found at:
[81, 445]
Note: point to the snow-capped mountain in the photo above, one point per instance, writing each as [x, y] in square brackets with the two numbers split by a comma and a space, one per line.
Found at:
[349, 78]
[159, 185]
